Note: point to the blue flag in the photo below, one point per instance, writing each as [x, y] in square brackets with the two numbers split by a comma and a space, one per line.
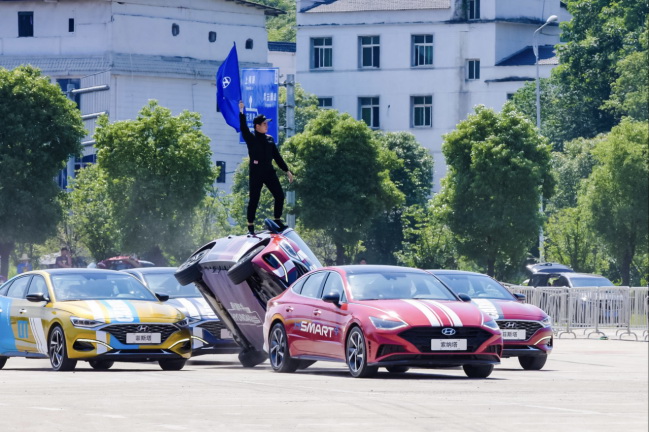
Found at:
[228, 89]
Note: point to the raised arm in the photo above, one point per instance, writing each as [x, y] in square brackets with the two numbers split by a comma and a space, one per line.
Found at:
[243, 125]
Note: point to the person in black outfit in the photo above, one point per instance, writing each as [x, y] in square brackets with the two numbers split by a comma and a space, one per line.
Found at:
[262, 151]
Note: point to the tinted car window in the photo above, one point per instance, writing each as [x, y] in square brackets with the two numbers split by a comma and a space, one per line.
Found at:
[334, 284]
[297, 287]
[166, 283]
[311, 286]
[18, 288]
[476, 286]
[5, 288]
[397, 285]
[591, 282]
[82, 286]
[37, 286]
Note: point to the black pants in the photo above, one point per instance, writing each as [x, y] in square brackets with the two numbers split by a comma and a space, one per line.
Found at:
[257, 181]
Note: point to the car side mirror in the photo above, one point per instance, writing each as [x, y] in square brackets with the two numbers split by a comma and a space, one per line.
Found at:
[464, 297]
[333, 298]
[36, 297]
[520, 297]
[162, 297]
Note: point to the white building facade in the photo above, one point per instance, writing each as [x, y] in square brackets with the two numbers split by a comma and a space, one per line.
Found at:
[168, 50]
[421, 65]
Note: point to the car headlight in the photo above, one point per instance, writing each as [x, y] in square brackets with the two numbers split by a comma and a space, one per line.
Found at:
[547, 321]
[182, 323]
[491, 324]
[86, 323]
[380, 323]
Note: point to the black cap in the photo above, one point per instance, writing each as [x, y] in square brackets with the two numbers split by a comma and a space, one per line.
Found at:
[260, 119]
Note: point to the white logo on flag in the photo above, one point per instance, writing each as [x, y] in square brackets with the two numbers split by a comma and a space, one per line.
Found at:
[226, 82]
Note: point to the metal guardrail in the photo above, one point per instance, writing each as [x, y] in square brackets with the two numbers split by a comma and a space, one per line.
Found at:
[592, 309]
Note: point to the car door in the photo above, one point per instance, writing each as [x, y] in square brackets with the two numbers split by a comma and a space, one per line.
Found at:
[35, 312]
[301, 325]
[22, 336]
[7, 344]
[333, 318]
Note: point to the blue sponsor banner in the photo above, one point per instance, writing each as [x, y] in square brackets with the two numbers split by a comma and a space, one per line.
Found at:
[260, 94]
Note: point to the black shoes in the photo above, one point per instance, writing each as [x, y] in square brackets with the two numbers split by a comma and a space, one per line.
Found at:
[280, 225]
[251, 230]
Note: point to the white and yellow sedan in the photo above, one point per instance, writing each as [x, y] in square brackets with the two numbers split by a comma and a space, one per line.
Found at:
[99, 316]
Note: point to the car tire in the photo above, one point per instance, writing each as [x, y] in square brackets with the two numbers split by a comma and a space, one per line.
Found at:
[532, 362]
[58, 351]
[303, 365]
[478, 371]
[278, 354]
[101, 364]
[190, 271]
[172, 364]
[397, 369]
[250, 358]
[356, 355]
[242, 270]
[3, 361]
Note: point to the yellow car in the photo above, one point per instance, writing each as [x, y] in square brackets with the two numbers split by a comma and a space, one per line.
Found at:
[93, 315]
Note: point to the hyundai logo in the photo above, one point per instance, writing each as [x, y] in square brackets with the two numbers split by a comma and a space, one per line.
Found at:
[448, 331]
[510, 325]
[226, 82]
[142, 328]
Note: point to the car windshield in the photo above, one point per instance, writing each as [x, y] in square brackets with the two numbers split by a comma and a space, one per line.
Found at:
[590, 282]
[366, 286]
[167, 284]
[89, 286]
[315, 263]
[476, 286]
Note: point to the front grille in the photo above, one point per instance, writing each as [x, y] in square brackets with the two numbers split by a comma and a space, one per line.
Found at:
[214, 327]
[529, 327]
[421, 336]
[120, 331]
[495, 348]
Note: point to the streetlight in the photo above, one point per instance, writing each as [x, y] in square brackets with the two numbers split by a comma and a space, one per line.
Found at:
[535, 47]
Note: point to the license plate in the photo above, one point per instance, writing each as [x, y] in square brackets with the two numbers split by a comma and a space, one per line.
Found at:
[142, 338]
[226, 334]
[513, 334]
[448, 345]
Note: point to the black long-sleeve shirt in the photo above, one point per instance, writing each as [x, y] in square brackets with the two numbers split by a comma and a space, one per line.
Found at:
[261, 149]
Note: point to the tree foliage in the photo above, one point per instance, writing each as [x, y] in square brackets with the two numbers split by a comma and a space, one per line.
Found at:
[282, 27]
[616, 194]
[40, 129]
[413, 176]
[342, 177]
[306, 109]
[497, 168]
[158, 170]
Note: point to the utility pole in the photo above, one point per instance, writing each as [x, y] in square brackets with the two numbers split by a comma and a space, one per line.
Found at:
[290, 131]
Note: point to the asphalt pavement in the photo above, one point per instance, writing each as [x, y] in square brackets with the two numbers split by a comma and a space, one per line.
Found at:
[586, 385]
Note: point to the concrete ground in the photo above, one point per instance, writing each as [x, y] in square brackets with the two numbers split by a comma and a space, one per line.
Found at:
[587, 385]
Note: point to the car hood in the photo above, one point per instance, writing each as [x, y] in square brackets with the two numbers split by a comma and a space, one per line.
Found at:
[509, 310]
[419, 312]
[195, 307]
[121, 311]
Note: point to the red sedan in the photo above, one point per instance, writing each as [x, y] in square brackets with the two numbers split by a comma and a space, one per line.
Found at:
[378, 316]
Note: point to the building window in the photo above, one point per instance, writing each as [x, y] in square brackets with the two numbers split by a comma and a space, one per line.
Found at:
[221, 166]
[368, 111]
[25, 24]
[249, 44]
[175, 29]
[422, 50]
[474, 9]
[67, 84]
[510, 96]
[325, 102]
[322, 53]
[71, 25]
[422, 111]
[473, 69]
[369, 50]
[212, 36]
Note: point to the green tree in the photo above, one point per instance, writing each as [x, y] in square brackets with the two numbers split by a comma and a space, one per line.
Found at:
[282, 27]
[40, 129]
[428, 241]
[497, 167]
[342, 177]
[630, 94]
[92, 213]
[414, 178]
[306, 109]
[617, 192]
[158, 170]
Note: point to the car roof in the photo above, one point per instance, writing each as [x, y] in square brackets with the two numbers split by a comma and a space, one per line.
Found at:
[152, 270]
[64, 271]
[362, 269]
[548, 267]
[453, 272]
